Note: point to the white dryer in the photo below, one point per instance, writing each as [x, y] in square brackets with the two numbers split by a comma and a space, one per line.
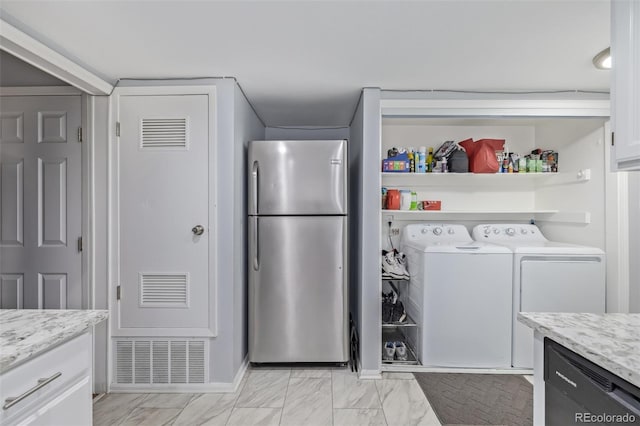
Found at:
[460, 296]
[547, 277]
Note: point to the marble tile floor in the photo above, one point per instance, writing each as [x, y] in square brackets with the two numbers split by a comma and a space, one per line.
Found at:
[296, 397]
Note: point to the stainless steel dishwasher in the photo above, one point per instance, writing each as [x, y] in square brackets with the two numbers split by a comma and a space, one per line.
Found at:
[577, 391]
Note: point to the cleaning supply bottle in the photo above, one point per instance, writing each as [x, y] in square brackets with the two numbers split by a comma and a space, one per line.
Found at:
[422, 160]
[430, 160]
[412, 160]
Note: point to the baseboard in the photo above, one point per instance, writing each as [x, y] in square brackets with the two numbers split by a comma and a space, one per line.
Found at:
[240, 374]
[369, 374]
[174, 388]
[423, 369]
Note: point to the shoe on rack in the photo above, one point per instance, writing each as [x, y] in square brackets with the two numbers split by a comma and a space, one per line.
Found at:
[401, 260]
[390, 265]
[388, 351]
[387, 312]
[398, 315]
[401, 351]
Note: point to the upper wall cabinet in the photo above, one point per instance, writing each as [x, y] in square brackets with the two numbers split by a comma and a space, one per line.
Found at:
[625, 83]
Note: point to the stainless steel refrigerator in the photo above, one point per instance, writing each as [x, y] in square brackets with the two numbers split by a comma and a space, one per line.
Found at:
[297, 260]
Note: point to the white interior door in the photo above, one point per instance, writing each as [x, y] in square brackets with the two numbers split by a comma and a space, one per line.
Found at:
[40, 202]
[163, 187]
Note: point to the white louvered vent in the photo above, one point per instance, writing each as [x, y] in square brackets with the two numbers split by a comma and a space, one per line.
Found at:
[196, 361]
[124, 357]
[179, 361]
[142, 367]
[161, 361]
[164, 290]
[171, 133]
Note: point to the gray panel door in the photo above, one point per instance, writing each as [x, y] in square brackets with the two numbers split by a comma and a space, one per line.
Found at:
[40, 202]
[297, 177]
[297, 289]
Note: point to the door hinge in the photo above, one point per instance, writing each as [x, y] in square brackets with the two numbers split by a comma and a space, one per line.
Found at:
[79, 134]
[79, 243]
[117, 128]
[613, 138]
[118, 293]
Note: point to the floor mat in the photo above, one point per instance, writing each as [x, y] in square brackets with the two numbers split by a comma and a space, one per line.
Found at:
[479, 399]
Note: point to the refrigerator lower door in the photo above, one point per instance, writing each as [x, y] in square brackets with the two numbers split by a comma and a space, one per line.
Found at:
[298, 289]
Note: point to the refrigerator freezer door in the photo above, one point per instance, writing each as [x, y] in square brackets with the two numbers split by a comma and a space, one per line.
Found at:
[297, 289]
[297, 177]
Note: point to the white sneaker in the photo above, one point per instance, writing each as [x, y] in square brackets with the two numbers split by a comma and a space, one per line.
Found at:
[401, 351]
[388, 351]
[390, 266]
[401, 260]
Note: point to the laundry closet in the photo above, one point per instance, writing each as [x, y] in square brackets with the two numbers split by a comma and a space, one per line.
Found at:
[578, 204]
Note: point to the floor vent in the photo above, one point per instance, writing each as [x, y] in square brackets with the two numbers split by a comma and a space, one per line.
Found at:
[160, 361]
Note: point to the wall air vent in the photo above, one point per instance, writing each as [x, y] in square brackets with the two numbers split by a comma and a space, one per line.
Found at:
[164, 133]
[164, 290]
[160, 361]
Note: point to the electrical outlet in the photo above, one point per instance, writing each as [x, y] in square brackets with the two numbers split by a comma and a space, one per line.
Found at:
[395, 231]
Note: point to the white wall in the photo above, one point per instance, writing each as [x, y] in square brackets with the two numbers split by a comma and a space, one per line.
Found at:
[586, 152]
[634, 242]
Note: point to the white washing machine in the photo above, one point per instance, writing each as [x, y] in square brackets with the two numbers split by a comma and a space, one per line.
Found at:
[460, 296]
[547, 277]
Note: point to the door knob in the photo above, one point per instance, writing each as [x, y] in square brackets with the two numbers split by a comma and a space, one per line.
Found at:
[198, 230]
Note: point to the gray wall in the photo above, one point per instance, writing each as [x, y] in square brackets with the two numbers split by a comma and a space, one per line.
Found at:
[236, 124]
[355, 148]
[222, 353]
[99, 284]
[310, 133]
[17, 73]
[365, 188]
[247, 127]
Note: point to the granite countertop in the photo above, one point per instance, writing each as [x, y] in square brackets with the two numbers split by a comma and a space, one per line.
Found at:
[611, 341]
[25, 333]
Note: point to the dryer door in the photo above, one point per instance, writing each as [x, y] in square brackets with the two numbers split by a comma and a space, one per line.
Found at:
[555, 284]
[562, 285]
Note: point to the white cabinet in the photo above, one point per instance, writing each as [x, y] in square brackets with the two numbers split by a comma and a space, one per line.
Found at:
[72, 407]
[53, 388]
[625, 83]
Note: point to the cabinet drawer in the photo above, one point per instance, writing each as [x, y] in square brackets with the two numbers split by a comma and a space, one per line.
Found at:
[72, 360]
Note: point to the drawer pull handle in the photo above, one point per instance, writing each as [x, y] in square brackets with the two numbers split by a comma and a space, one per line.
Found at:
[10, 402]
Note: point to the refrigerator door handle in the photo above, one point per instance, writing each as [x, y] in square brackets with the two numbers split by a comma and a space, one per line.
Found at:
[254, 244]
[254, 177]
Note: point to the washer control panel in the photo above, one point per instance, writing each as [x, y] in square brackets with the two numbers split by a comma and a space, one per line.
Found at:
[507, 232]
[436, 233]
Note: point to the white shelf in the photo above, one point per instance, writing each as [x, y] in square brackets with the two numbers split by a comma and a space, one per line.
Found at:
[538, 215]
[496, 181]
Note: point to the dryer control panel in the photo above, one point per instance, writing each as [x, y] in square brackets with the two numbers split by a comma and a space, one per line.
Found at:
[507, 232]
[435, 233]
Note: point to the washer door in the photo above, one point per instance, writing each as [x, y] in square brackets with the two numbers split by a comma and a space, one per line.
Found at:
[562, 285]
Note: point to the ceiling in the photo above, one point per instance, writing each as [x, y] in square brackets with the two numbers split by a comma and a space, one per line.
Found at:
[303, 63]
